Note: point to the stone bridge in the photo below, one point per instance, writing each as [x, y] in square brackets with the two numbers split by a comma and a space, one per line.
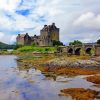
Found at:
[86, 49]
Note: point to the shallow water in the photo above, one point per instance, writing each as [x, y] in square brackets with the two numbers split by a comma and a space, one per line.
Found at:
[32, 84]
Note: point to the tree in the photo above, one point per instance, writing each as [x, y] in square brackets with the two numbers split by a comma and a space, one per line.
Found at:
[75, 42]
[98, 41]
[57, 43]
[17, 46]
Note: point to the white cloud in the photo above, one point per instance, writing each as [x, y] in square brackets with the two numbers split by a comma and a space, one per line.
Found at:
[12, 39]
[1, 35]
[9, 5]
[63, 13]
[7, 38]
[88, 20]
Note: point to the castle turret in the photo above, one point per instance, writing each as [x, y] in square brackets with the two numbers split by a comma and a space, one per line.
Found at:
[48, 34]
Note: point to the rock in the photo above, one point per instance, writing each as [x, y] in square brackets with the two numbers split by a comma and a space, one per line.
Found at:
[98, 95]
[96, 59]
[73, 63]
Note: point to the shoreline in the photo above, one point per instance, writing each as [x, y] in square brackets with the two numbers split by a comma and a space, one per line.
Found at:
[61, 65]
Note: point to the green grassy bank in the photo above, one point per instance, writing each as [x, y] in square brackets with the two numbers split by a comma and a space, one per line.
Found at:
[37, 49]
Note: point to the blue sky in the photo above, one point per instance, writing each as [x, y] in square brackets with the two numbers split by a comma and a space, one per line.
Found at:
[77, 19]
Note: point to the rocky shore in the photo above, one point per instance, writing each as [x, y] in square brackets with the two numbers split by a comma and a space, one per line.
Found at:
[74, 63]
[53, 66]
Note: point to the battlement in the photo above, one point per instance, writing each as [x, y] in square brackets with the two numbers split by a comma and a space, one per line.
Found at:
[49, 28]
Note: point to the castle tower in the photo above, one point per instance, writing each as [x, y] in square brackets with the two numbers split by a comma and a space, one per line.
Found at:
[54, 32]
[48, 34]
[23, 39]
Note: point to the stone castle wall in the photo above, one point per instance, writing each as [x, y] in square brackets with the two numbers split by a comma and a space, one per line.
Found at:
[47, 34]
[23, 39]
[20, 40]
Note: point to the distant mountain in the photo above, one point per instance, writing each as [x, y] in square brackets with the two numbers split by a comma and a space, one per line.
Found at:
[6, 46]
[3, 45]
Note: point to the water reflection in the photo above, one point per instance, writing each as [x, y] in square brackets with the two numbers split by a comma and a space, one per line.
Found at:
[32, 84]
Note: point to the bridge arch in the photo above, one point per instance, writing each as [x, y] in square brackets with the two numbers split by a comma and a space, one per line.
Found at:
[70, 51]
[77, 51]
[59, 50]
[88, 50]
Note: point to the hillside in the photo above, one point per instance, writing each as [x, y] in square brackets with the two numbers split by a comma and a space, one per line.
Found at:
[5, 46]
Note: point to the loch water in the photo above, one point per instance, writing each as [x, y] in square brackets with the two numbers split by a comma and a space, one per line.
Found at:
[16, 84]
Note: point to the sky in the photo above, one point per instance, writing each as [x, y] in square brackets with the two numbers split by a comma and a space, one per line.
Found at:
[77, 19]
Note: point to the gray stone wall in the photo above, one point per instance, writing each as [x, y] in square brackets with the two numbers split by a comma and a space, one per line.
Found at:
[81, 50]
[27, 40]
[20, 40]
[23, 39]
[47, 34]
[97, 50]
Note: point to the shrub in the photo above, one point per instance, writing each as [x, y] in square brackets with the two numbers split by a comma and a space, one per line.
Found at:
[98, 41]
[82, 52]
[92, 52]
[57, 43]
[75, 42]
[17, 46]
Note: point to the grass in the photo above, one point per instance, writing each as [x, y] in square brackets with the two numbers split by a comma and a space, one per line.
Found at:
[37, 49]
[81, 93]
[29, 57]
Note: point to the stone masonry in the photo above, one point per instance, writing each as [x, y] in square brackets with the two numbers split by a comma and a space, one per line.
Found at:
[85, 49]
[48, 34]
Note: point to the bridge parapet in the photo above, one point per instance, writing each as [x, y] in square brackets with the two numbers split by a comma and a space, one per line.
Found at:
[75, 49]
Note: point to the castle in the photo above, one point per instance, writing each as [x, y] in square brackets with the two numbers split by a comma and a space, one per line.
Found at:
[48, 34]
